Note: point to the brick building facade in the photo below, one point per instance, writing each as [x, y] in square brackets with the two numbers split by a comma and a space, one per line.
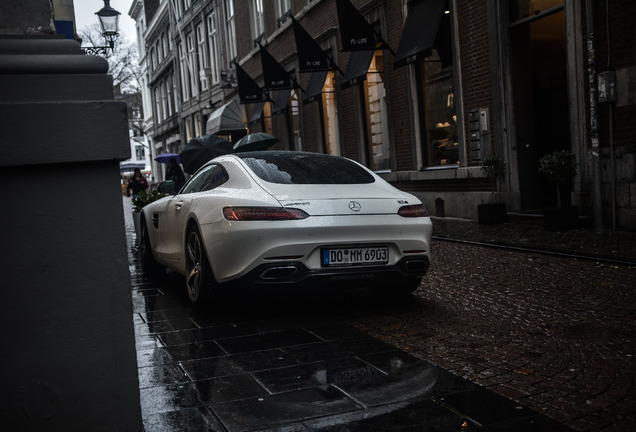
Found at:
[450, 83]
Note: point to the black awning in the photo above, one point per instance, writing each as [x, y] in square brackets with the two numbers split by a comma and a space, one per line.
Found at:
[275, 76]
[282, 100]
[420, 31]
[257, 113]
[356, 72]
[314, 89]
[228, 118]
[249, 91]
[311, 56]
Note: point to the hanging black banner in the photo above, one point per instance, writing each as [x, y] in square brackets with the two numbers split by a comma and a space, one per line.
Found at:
[276, 77]
[311, 57]
[356, 33]
[249, 91]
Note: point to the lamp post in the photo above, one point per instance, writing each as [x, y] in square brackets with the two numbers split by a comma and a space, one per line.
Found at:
[109, 21]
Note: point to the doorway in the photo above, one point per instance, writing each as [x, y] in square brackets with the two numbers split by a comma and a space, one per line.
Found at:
[539, 77]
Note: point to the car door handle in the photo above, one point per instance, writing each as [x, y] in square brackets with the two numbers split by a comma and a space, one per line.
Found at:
[178, 205]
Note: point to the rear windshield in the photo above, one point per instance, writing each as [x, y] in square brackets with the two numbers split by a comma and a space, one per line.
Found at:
[305, 168]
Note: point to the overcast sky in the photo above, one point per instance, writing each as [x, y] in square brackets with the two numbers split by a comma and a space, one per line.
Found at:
[85, 16]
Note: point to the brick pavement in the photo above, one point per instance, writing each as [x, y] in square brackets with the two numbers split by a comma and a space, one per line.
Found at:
[556, 334]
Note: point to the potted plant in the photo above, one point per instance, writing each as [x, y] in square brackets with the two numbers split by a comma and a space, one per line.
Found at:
[140, 202]
[559, 167]
[494, 167]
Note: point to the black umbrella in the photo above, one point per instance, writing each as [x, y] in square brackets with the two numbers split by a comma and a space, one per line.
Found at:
[255, 141]
[201, 150]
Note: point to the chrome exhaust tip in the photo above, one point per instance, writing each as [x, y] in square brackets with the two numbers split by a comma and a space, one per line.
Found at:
[279, 273]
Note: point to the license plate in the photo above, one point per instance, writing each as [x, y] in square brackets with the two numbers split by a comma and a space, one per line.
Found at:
[355, 256]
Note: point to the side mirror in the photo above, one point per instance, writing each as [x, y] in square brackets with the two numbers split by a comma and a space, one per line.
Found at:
[167, 187]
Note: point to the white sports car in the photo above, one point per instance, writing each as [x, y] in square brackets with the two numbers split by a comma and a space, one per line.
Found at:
[277, 217]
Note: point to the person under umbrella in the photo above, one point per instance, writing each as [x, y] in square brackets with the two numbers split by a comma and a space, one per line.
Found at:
[202, 149]
[175, 173]
[255, 141]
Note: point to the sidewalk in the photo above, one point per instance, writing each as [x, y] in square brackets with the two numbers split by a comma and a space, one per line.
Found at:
[613, 246]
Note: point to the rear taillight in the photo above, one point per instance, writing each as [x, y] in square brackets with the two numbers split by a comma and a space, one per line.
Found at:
[262, 213]
[417, 210]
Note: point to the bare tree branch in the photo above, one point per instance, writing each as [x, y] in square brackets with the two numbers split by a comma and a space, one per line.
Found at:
[123, 62]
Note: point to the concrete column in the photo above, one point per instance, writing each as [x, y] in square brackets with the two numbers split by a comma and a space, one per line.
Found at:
[68, 353]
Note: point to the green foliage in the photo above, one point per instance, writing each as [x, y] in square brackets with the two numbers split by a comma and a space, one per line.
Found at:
[146, 198]
[559, 166]
[493, 166]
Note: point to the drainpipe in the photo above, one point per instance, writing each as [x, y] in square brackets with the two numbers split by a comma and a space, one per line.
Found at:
[596, 156]
[611, 121]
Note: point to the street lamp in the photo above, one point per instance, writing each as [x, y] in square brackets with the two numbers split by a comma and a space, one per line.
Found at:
[109, 21]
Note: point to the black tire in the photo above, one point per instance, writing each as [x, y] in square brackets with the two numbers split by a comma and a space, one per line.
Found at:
[199, 278]
[149, 265]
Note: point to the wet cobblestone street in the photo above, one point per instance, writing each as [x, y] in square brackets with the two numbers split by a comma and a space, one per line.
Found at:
[494, 339]
[555, 334]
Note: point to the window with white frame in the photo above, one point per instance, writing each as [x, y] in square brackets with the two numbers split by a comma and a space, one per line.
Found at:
[141, 52]
[213, 39]
[230, 25]
[177, 8]
[193, 69]
[169, 90]
[140, 153]
[282, 7]
[164, 101]
[153, 58]
[258, 18]
[175, 92]
[157, 95]
[159, 51]
[185, 77]
[202, 53]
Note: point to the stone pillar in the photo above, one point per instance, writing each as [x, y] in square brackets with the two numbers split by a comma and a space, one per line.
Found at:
[68, 353]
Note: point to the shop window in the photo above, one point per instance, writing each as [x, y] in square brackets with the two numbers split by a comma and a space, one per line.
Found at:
[521, 9]
[188, 127]
[267, 118]
[197, 125]
[376, 116]
[330, 116]
[294, 120]
[440, 146]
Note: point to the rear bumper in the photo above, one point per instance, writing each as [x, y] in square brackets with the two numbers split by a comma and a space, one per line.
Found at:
[295, 272]
[238, 250]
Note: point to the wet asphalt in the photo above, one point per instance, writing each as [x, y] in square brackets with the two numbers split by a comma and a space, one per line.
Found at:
[352, 361]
